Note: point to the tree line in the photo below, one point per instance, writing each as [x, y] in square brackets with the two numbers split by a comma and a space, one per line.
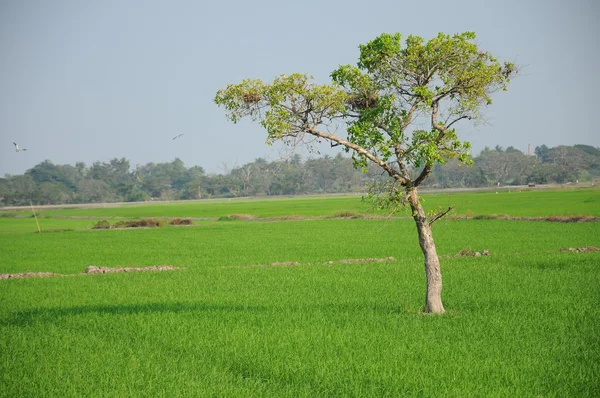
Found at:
[117, 181]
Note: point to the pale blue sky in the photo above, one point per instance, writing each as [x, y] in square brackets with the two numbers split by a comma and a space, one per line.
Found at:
[84, 80]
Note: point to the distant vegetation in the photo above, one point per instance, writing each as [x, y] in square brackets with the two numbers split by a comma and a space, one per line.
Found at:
[117, 181]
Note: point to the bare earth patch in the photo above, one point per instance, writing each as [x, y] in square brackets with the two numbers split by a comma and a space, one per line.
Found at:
[91, 270]
[580, 249]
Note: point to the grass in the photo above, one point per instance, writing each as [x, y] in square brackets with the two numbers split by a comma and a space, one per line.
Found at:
[521, 322]
[522, 203]
[532, 203]
[12, 226]
[558, 202]
[218, 244]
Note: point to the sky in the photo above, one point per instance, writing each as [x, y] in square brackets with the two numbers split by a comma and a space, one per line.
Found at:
[91, 80]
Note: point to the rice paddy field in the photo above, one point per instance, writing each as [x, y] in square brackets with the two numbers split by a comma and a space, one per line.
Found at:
[304, 297]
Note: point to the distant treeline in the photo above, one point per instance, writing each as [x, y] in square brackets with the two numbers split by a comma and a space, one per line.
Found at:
[116, 181]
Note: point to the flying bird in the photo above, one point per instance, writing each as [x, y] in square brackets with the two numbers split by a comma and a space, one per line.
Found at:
[177, 136]
[17, 149]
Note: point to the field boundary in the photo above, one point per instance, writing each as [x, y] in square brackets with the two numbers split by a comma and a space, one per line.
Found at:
[91, 270]
[461, 254]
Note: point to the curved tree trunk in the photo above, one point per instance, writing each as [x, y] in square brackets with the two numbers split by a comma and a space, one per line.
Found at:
[433, 299]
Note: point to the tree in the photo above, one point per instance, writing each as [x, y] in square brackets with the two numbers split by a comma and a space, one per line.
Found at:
[593, 158]
[116, 175]
[95, 191]
[569, 161]
[565, 163]
[21, 190]
[446, 79]
[456, 174]
[5, 190]
[50, 192]
[543, 153]
[321, 173]
[192, 183]
[509, 166]
[47, 172]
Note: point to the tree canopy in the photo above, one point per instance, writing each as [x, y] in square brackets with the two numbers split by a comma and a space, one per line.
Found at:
[377, 102]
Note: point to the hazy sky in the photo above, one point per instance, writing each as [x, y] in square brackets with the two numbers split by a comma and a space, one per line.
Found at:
[84, 80]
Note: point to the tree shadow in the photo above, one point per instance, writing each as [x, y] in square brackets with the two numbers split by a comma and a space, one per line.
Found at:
[23, 318]
[49, 315]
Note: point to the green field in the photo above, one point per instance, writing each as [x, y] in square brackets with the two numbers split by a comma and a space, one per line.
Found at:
[521, 322]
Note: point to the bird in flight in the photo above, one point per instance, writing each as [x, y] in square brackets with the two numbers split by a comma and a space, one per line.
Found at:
[17, 149]
[177, 136]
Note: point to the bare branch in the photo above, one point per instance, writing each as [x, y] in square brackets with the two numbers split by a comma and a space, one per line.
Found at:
[403, 169]
[440, 215]
[457, 119]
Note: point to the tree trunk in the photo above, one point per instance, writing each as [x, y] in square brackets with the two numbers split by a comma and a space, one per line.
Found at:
[433, 298]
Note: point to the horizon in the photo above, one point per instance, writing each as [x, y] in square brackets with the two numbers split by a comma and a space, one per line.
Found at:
[220, 170]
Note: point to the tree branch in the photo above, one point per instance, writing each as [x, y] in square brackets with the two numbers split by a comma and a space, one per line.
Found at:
[389, 169]
[443, 95]
[441, 131]
[424, 173]
[457, 119]
[403, 169]
[440, 215]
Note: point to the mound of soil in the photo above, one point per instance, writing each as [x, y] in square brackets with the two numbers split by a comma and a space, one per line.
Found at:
[361, 260]
[564, 219]
[580, 249]
[283, 263]
[103, 224]
[148, 223]
[289, 263]
[28, 275]
[239, 217]
[571, 219]
[471, 253]
[92, 269]
[346, 214]
[180, 221]
[289, 218]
